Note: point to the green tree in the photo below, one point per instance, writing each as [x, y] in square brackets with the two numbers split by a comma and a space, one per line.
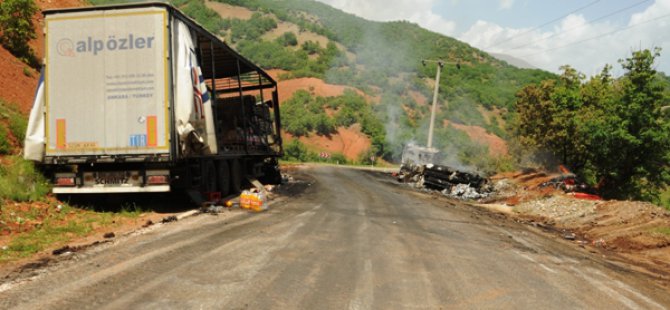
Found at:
[296, 150]
[288, 39]
[324, 125]
[311, 47]
[609, 131]
[17, 29]
[641, 137]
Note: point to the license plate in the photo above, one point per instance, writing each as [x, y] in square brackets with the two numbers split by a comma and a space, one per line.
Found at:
[105, 178]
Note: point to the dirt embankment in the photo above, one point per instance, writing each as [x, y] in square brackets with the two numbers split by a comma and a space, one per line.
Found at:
[497, 146]
[351, 142]
[18, 81]
[638, 231]
[314, 86]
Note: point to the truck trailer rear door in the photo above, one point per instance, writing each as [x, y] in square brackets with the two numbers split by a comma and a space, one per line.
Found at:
[106, 82]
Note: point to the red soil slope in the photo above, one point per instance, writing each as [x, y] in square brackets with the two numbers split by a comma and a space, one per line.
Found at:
[351, 142]
[497, 146]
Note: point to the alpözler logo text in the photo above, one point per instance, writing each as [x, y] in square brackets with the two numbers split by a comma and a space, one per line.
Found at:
[66, 47]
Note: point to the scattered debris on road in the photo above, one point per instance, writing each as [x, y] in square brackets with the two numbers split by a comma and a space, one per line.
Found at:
[569, 236]
[169, 219]
[75, 248]
[62, 250]
[109, 235]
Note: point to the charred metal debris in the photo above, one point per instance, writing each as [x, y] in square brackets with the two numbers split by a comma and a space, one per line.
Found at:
[447, 180]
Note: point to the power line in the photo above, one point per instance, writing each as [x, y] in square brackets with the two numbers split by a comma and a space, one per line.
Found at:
[582, 25]
[598, 36]
[540, 26]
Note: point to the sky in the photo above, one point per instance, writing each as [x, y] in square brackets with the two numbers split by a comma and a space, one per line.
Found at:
[586, 34]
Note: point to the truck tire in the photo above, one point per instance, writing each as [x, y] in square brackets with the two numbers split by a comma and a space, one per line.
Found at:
[271, 173]
[208, 177]
[235, 176]
[223, 176]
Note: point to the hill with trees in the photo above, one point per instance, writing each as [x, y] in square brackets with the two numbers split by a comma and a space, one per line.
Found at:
[383, 61]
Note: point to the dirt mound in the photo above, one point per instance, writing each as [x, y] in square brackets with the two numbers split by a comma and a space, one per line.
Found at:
[351, 142]
[497, 146]
[316, 87]
[638, 231]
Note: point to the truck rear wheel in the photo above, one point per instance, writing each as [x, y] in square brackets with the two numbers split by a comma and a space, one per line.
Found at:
[223, 175]
[208, 177]
[235, 176]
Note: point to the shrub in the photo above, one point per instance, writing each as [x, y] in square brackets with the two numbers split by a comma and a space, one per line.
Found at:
[5, 147]
[17, 28]
[288, 39]
[16, 122]
[20, 181]
[297, 151]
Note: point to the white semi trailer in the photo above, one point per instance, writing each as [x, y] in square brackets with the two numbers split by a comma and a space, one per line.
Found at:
[140, 98]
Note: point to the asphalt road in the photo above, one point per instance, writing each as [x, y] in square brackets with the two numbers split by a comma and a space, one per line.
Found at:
[350, 240]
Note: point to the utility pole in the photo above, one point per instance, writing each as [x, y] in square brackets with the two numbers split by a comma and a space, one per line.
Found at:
[440, 64]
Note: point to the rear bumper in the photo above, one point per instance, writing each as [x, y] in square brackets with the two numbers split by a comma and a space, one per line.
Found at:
[111, 189]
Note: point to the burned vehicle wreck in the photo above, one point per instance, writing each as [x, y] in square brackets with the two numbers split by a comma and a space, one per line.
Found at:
[418, 168]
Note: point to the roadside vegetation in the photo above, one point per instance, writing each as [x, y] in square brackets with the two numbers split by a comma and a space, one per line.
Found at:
[16, 29]
[610, 131]
[49, 224]
[296, 151]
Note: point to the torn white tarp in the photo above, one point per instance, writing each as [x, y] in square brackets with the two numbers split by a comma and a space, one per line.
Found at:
[193, 105]
[34, 141]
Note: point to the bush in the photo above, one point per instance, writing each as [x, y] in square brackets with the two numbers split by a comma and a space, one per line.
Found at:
[303, 114]
[288, 39]
[208, 18]
[311, 47]
[5, 147]
[251, 29]
[17, 124]
[297, 151]
[324, 125]
[17, 28]
[20, 181]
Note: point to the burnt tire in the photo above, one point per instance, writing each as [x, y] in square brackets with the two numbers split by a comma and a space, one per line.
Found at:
[271, 173]
[223, 176]
[208, 177]
[235, 176]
